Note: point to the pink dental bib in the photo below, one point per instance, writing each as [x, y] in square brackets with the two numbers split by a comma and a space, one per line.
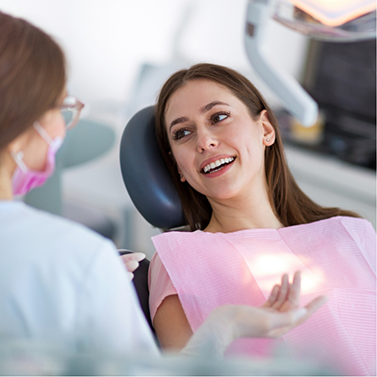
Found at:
[336, 257]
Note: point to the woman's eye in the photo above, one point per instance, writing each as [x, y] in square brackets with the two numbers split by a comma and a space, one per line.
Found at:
[219, 117]
[179, 134]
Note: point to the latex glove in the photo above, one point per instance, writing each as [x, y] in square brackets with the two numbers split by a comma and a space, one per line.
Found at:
[275, 318]
[131, 261]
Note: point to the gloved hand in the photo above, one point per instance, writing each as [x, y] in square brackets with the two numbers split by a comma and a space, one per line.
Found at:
[131, 261]
[276, 317]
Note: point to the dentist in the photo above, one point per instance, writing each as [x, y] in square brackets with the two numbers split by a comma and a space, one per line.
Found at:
[60, 283]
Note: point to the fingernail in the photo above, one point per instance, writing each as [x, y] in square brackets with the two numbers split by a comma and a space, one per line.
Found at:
[132, 265]
[139, 256]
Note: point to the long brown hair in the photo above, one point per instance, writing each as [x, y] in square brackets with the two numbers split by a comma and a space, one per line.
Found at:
[32, 76]
[289, 203]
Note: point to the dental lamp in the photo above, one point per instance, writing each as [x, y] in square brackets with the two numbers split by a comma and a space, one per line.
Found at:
[326, 20]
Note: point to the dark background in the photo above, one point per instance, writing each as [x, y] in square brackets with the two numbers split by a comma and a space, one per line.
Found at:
[341, 77]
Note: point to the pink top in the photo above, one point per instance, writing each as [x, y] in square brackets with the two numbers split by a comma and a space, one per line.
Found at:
[336, 257]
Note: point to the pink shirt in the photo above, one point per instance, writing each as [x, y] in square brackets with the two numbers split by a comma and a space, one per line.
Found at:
[336, 257]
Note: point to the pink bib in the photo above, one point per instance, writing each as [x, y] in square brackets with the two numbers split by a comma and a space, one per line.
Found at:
[336, 257]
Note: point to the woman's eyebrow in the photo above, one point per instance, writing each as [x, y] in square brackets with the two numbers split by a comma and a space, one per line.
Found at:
[204, 109]
[211, 105]
[178, 120]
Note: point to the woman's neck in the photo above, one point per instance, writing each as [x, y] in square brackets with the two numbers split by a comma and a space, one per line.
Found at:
[253, 212]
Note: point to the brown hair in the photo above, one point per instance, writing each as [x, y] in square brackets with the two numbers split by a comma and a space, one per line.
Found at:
[32, 76]
[289, 203]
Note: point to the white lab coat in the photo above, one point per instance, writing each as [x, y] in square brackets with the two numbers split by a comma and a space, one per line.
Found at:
[64, 284]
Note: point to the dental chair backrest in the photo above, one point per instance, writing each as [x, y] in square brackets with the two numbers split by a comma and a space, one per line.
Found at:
[149, 185]
[145, 174]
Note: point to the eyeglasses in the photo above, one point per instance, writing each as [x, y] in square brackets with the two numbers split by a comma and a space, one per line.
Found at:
[71, 110]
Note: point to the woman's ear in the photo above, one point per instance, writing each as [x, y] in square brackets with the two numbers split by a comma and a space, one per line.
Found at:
[268, 129]
[181, 177]
[19, 142]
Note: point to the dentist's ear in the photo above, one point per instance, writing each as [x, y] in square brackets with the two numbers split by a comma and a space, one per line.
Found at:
[268, 129]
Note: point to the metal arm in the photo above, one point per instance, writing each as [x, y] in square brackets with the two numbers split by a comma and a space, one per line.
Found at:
[294, 98]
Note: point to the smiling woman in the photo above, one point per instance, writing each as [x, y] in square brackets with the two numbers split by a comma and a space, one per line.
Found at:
[251, 222]
[219, 95]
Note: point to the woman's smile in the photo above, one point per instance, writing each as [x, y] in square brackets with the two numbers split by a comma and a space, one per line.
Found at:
[216, 165]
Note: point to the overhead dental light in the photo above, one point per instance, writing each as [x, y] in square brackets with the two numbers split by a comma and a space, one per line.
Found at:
[327, 20]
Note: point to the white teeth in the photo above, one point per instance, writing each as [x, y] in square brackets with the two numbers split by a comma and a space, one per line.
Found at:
[217, 163]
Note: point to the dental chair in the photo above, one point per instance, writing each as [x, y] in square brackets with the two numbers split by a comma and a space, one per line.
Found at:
[149, 186]
[145, 174]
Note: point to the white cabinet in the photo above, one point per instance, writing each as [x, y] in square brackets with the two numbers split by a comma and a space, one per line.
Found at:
[333, 183]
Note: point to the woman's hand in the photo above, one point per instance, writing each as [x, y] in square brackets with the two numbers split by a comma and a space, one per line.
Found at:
[280, 313]
[275, 318]
[285, 298]
[131, 261]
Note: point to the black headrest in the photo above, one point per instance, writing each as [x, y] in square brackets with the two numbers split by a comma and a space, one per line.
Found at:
[145, 174]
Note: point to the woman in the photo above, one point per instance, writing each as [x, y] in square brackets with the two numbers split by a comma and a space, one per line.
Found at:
[249, 221]
[60, 283]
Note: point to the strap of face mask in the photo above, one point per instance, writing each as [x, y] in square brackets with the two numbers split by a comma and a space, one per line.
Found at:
[42, 132]
[18, 159]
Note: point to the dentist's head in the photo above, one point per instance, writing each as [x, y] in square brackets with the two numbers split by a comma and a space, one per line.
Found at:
[32, 95]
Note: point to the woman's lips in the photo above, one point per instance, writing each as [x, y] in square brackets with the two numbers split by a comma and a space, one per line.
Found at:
[218, 165]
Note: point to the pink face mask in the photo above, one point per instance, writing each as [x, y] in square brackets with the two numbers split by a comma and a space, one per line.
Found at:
[25, 179]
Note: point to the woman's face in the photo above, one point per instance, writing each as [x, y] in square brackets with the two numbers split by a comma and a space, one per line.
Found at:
[218, 147]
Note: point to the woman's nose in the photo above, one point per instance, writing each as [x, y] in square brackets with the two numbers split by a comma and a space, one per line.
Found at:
[206, 140]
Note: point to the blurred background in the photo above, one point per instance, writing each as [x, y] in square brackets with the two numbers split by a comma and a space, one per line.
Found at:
[121, 51]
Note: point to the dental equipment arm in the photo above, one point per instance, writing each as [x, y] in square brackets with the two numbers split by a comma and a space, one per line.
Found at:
[295, 99]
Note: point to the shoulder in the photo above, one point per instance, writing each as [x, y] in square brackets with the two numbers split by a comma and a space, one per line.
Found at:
[333, 224]
[180, 239]
[360, 230]
[160, 284]
[353, 225]
[353, 221]
[156, 268]
[27, 215]
[350, 233]
[35, 234]
[177, 235]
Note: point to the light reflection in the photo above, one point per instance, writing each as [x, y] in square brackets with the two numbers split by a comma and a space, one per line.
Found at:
[269, 264]
[335, 12]
[268, 270]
